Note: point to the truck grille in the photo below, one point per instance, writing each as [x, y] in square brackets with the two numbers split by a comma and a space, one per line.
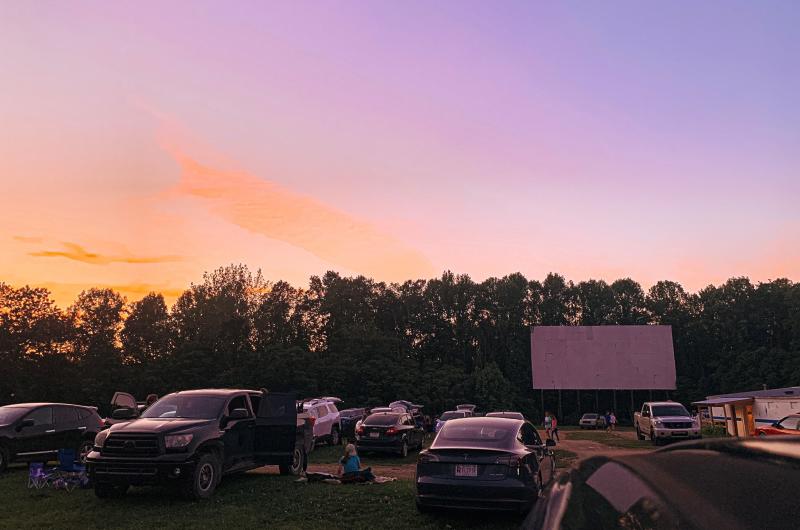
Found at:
[130, 444]
[678, 424]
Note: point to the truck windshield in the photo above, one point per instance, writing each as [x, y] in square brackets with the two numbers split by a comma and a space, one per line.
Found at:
[185, 406]
[669, 410]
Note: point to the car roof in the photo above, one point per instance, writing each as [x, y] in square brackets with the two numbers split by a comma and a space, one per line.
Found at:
[222, 392]
[490, 421]
[34, 405]
[664, 403]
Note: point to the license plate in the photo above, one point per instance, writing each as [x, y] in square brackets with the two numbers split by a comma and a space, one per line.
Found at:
[680, 433]
[374, 434]
[466, 470]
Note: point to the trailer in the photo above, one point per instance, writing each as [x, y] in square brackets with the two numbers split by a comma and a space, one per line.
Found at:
[742, 412]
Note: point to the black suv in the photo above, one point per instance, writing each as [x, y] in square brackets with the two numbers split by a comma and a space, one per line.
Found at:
[36, 431]
[191, 439]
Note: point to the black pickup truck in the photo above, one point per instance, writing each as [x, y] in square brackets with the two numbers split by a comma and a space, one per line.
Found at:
[191, 439]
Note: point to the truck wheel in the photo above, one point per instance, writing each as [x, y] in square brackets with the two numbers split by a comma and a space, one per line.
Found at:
[335, 438]
[296, 466]
[404, 449]
[203, 481]
[106, 490]
[3, 458]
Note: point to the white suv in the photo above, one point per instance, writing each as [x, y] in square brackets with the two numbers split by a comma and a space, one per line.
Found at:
[325, 418]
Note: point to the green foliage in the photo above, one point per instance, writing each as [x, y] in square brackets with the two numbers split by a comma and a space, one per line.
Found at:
[714, 431]
[439, 342]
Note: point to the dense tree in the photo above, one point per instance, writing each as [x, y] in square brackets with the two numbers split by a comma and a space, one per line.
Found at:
[440, 342]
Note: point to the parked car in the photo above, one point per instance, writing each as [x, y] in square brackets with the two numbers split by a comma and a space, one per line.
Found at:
[389, 432]
[790, 425]
[326, 419]
[591, 420]
[700, 485]
[470, 409]
[36, 431]
[191, 439]
[484, 463]
[665, 420]
[449, 415]
[412, 408]
[506, 414]
[349, 418]
[125, 407]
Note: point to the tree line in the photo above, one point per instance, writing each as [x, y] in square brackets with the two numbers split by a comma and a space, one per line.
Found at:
[439, 342]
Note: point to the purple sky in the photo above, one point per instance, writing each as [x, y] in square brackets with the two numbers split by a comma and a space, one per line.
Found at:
[398, 140]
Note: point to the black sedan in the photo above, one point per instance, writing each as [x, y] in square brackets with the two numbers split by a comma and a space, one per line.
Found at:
[484, 463]
[389, 432]
[36, 431]
[709, 484]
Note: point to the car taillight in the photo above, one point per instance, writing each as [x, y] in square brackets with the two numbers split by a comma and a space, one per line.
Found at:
[313, 420]
[427, 458]
[391, 431]
[513, 462]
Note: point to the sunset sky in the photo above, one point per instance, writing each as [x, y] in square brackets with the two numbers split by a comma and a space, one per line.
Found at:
[142, 143]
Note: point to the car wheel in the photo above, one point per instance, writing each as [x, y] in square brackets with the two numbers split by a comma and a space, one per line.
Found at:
[404, 449]
[84, 449]
[3, 458]
[203, 481]
[761, 434]
[106, 490]
[335, 438]
[296, 466]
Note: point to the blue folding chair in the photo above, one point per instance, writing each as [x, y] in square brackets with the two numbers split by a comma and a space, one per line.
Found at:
[38, 476]
[69, 475]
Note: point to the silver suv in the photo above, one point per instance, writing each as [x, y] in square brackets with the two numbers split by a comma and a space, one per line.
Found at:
[325, 418]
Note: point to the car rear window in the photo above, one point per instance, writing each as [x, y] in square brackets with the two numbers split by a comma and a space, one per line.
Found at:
[382, 419]
[452, 415]
[476, 434]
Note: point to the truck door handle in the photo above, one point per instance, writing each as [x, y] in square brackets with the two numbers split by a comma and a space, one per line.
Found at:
[51, 430]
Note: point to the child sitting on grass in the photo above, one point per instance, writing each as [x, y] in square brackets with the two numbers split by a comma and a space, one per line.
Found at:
[350, 467]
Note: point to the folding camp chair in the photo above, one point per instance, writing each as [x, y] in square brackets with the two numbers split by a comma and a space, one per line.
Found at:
[68, 475]
[38, 476]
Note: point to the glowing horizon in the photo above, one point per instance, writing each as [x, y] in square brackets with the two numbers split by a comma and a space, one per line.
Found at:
[142, 146]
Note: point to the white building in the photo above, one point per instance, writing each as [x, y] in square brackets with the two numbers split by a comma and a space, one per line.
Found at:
[741, 412]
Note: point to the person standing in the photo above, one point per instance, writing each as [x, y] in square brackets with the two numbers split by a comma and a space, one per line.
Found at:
[608, 420]
[554, 430]
[613, 420]
[548, 424]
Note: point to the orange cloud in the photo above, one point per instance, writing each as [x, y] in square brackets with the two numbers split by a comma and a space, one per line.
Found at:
[76, 252]
[26, 239]
[65, 294]
[266, 208]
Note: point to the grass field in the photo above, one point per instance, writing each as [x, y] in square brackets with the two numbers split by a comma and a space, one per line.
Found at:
[247, 500]
[607, 438]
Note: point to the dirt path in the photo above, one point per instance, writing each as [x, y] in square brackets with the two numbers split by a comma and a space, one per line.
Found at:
[590, 448]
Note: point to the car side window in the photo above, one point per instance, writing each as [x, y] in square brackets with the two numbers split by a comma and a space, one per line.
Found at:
[64, 415]
[239, 402]
[41, 416]
[790, 424]
[528, 435]
[255, 401]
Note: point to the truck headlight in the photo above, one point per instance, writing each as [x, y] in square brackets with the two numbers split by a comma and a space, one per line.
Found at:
[656, 422]
[177, 441]
[100, 439]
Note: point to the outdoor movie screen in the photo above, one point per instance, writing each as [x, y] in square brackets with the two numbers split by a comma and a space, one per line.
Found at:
[602, 357]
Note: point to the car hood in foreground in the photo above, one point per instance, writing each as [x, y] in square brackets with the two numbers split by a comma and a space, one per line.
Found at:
[159, 426]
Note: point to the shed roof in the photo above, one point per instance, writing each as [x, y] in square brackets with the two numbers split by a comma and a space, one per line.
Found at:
[723, 401]
[789, 391]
